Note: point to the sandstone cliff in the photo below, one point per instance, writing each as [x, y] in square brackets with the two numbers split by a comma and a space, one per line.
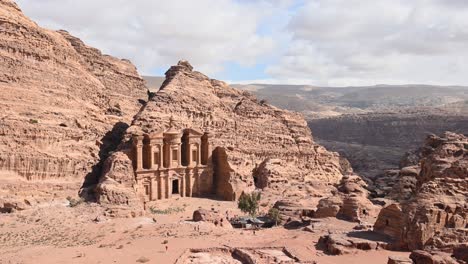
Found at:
[436, 215]
[62, 103]
[246, 132]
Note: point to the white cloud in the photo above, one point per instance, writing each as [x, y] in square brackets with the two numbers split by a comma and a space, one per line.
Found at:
[321, 42]
[365, 42]
[157, 33]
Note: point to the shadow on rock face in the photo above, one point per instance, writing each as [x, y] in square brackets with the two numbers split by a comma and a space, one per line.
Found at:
[110, 143]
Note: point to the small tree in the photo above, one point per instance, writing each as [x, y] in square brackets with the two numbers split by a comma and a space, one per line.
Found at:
[249, 203]
[274, 214]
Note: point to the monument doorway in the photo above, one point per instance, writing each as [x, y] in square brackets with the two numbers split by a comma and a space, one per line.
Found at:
[175, 186]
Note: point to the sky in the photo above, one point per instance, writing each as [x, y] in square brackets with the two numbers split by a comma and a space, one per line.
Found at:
[315, 42]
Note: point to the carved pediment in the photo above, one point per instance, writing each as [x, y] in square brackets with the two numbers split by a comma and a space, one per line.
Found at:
[193, 132]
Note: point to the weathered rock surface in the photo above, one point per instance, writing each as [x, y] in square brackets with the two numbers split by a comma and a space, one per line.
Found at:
[115, 187]
[293, 210]
[350, 202]
[214, 217]
[340, 244]
[437, 214]
[246, 133]
[399, 260]
[424, 257]
[59, 99]
[278, 178]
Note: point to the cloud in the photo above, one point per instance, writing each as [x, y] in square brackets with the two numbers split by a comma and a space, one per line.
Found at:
[350, 42]
[321, 42]
[156, 34]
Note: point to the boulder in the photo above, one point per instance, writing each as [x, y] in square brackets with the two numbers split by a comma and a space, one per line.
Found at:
[399, 260]
[210, 216]
[293, 210]
[425, 257]
[329, 207]
[350, 202]
[340, 244]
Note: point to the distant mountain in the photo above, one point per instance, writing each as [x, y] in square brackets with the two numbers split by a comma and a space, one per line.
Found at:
[316, 102]
[372, 126]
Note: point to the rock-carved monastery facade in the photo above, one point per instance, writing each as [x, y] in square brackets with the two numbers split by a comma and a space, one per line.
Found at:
[173, 163]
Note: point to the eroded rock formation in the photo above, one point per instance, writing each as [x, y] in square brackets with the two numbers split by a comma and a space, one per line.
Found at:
[350, 201]
[61, 101]
[245, 133]
[436, 216]
[213, 217]
[115, 187]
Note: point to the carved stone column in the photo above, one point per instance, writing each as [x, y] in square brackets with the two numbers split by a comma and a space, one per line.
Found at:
[189, 176]
[198, 179]
[179, 155]
[161, 156]
[138, 143]
[154, 189]
[162, 186]
[168, 187]
[189, 151]
[199, 154]
[182, 186]
[151, 155]
[170, 157]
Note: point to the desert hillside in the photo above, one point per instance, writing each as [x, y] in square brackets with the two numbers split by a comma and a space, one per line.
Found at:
[374, 126]
[62, 102]
[101, 165]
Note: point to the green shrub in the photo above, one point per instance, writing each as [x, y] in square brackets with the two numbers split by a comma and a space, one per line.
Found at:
[249, 203]
[274, 214]
[33, 121]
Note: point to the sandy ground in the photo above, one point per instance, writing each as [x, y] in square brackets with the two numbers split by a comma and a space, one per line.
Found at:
[56, 233]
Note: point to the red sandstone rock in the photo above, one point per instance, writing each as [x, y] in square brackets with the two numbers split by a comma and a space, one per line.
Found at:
[240, 142]
[293, 210]
[399, 260]
[436, 216]
[350, 202]
[424, 257]
[213, 217]
[59, 96]
[340, 244]
[115, 187]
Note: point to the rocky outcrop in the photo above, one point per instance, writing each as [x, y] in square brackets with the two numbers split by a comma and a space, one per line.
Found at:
[436, 215]
[293, 210]
[115, 189]
[278, 177]
[399, 260]
[340, 244]
[214, 217]
[246, 133]
[350, 201]
[60, 99]
[424, 257]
